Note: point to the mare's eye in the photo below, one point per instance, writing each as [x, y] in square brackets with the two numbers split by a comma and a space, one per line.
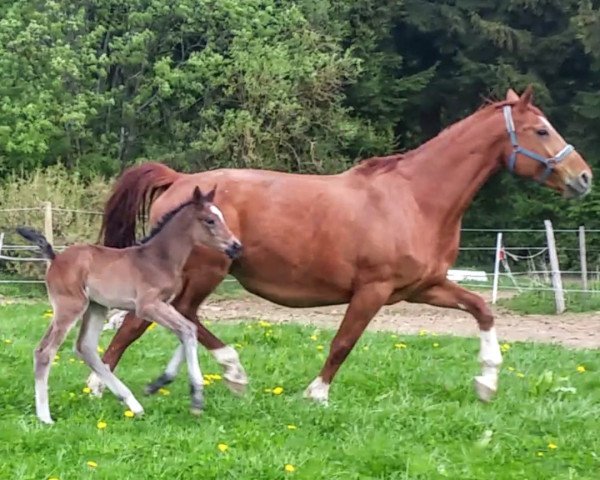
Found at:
[542, 132]
[209, 221]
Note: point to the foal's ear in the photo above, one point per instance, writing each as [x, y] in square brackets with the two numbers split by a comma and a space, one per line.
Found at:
[511, 96]
[210, 196]
[197, 196]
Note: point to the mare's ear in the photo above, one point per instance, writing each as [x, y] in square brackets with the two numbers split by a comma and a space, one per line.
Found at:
[511, 96]
[210, 196]
[527, 97]
[197, 196]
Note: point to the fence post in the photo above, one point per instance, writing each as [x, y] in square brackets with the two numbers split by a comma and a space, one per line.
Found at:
[497, 268]
[583, 258]
[48, 222]
[559, 296]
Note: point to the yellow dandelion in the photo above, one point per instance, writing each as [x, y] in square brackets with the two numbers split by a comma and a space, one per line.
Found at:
[71, 360]
[101, 425]
[277, 390]
[400, 345]
[129, 414]
[164, 391]
[8, 341]
[100, 349]
[505, 347]
[423, 333]
[314, 338]
[48, 314]
[238, 345]
[92, 464]
[319, 347]
[540, 454]
[289, 468]
[152, 326]
[56, 358]
[580, 368]
[552, 446]
[264, 324]
[520, 375]
[213, 376]
[86, 390]
[511, 369]
[292, 427]
[206, 382]
[223, 447]
[435, 345]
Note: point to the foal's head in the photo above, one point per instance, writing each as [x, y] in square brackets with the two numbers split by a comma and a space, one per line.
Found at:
[536, 150]
[209, 227]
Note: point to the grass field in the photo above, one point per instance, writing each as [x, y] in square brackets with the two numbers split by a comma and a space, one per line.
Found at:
[401, 408]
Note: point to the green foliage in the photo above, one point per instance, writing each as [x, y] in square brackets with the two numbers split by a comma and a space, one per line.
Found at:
[394, 413]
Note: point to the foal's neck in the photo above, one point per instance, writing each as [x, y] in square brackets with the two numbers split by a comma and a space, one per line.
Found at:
[174, 243]
[446, 173]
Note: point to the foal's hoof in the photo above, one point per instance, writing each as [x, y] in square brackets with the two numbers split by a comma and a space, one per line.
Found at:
[484, 388]
[236, 387]
[95, 385]
[196, 411]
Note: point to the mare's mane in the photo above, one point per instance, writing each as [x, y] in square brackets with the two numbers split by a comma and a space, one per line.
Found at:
[163, 221]
[384, 164]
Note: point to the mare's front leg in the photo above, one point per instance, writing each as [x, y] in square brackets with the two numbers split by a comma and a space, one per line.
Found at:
[450, 295]
[165, 315]
[364, 304]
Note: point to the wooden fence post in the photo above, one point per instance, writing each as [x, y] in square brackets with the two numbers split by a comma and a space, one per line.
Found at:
[497, 267]
[583, 258]
[559, 295]
[48, 223]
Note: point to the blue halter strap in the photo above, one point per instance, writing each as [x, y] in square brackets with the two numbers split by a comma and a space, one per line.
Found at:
[550, 162]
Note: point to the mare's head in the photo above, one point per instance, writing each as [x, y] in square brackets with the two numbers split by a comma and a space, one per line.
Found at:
[534, 149]
[209, 227]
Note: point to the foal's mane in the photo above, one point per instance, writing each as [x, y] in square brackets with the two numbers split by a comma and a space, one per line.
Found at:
[384, 164]
[163, 221]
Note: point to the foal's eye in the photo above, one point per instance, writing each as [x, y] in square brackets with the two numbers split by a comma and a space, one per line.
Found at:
[209, 221]
[542, 132]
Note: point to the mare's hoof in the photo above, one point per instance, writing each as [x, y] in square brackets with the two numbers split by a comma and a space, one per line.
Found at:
[151, 389]
[484, 388]
[46, 421]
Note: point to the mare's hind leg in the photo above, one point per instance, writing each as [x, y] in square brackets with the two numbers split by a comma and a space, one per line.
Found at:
[165, 315]
[199, 286]
[450, 295]
[86, 347]
[66, 313]
[364, 304]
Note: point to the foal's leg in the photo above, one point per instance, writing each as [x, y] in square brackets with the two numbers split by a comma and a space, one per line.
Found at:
[165, 315]
[194, 293]
[130, 330]
[364, 305]
[86, 347]
[66, 313]
[450, 295]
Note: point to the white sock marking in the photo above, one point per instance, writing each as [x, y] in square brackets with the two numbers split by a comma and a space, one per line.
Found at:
[318, 390]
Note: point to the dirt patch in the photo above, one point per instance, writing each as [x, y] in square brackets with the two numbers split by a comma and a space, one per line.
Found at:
[573, 330]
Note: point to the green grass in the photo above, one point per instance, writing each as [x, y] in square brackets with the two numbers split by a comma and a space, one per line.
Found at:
[543, 303]
[395, 413]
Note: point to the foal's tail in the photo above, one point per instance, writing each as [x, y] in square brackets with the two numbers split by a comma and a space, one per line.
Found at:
[130, 201]
[36, 237]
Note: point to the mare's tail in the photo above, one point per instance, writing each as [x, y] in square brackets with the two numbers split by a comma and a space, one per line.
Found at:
[37, 238]
[130, 201]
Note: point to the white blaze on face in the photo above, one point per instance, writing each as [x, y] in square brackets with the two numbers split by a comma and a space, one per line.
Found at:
[214, 209]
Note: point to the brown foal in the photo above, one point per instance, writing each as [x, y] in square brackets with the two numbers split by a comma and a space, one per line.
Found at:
[381, 232]
[85, 280]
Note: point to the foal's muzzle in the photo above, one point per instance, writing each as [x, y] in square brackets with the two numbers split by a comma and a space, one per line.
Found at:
[234, 250]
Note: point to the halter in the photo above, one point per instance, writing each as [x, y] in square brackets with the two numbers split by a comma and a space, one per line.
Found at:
[549, 162]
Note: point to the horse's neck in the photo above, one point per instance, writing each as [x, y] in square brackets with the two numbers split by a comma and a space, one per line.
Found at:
[174, 243]
[447, 172]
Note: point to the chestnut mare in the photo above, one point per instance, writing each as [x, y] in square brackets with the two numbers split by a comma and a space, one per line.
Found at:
[383, 231]
[85, 280]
